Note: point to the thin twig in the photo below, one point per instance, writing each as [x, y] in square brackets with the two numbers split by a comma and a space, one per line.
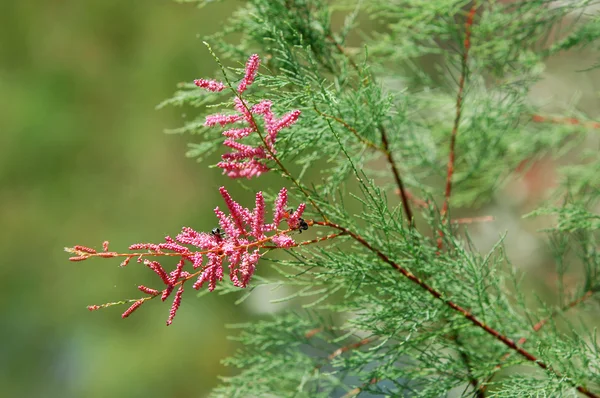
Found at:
[471, 220]
[354, 392]
[459, 100]
[565, 120]
[468, 315]
[403, 195]
[349, 347]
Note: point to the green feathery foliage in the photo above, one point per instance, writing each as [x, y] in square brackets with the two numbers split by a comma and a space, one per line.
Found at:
[394, 307]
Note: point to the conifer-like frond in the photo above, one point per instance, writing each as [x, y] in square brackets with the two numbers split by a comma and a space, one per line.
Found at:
[404, 98]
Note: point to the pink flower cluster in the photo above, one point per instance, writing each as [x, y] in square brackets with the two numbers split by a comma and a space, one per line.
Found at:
[241, 235]
[246, 160]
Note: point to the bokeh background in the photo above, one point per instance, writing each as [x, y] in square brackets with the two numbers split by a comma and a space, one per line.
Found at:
[83, 159]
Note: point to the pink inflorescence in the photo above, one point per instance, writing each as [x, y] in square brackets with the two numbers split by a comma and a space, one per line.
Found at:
[238, 241]
[246, 160]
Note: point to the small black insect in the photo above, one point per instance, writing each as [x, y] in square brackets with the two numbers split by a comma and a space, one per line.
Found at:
[217, 233]
[302, 225]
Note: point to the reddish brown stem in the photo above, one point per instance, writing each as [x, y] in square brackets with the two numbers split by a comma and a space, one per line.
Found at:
[357, 390]
[459, 100]
[471, 220]
[468, 315]
[565, 120]
[349, 347]
[399, 183]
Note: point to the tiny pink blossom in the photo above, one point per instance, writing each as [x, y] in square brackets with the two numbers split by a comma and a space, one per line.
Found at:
[251, 69]
[210, 85]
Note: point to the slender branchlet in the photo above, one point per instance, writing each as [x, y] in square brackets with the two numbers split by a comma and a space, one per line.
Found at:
[464, 70]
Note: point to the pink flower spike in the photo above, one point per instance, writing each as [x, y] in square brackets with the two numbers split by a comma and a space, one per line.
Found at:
[238, 133]
[212, 273]
[244, 151]
[93, 307]
[287, 120]
[252, 168]
[156, 267]
[84, 249]
[241, 107]
[167, 292]
[175, 306]
[235, 209]
[283, 241]
[227, 225]
[262, 108]
[248, 266]
[197, 260]
[277, 125]
[280, 204]
[147, 290]
[174, 276]
[133, 307]
[210, 85]
[258, 224]
[223, 120]
[251, 69]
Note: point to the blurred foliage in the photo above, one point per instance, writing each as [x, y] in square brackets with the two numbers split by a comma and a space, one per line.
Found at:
[83, 158]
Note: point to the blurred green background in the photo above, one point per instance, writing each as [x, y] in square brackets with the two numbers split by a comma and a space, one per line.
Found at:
[83, 158]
